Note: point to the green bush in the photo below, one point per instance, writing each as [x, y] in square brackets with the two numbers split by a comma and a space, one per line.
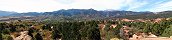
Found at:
[167, 32]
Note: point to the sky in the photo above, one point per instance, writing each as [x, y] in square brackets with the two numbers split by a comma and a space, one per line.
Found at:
[54, 5]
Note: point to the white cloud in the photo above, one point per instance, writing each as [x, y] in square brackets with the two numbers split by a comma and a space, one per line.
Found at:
[162, 7]
[30, 5]
[97, 4]
[53, 5]
[135, 5]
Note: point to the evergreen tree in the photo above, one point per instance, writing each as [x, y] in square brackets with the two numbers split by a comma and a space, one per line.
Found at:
[30, 31]
[167, 32]
[0, 36]
[94, 33]
[38, 36]
[56, 34]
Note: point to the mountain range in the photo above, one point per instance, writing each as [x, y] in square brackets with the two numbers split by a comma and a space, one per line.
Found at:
[90, 14]
[6, 13]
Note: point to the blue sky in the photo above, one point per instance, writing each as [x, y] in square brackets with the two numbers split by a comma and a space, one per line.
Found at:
[53, 5]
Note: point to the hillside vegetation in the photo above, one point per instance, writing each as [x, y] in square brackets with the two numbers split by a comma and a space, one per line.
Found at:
[82, 30]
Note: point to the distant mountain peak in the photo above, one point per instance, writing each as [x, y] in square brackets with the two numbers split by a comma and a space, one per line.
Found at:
[6, 13]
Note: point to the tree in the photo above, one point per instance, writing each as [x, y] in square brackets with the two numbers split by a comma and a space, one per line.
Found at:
[38, 36]
[93, 32]
[117, 30]
[6, 31]
[0, 36]
[47, 26]
[167, 32]
[6, 37]
[31, 30]
[56, 34]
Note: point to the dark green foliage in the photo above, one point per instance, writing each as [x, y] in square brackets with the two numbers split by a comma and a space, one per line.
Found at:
[47, 26]
[13, 29]
[94, 33]
[0, 36]
[107, 28]
[6, 37]
[76, 31]
[2, 26]
[116, 30]
[9, 38]
[167, 32]
[88, 30]
[30, 31]
[6, 31]
[38, 36]
[56, 34]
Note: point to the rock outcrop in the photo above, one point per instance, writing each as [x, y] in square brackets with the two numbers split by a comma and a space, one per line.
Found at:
[24, 36]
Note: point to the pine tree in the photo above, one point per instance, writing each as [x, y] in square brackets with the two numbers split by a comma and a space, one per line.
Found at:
[38, 36]
[167, 32]
[0, 36]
